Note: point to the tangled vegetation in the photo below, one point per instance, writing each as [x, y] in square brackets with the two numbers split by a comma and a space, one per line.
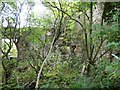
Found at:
[73, 45]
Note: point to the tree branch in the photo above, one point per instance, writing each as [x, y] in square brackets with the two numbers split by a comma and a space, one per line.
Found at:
[40, 71]
[66, 14]
[99, 49]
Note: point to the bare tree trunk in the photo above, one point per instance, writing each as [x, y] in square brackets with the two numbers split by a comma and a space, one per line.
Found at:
[98, 12]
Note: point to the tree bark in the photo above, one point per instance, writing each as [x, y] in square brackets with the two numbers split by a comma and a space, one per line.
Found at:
[20, 45]
[98, 12]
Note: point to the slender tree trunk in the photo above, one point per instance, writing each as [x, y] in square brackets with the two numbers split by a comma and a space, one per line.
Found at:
[95, 18]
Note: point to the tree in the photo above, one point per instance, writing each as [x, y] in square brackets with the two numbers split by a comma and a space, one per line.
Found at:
[75, 45]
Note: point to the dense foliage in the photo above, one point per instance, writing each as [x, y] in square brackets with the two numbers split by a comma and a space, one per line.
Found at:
[71, 46]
